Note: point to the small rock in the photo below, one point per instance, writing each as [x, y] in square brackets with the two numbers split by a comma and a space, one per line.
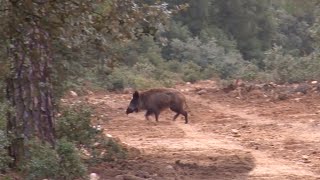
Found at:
[169, 167]
[99, 128]
[73, 94]
[235, 133]
[188, 83]
[203, 91]
[305, 159]
[109, 135]
[212, 89]
[297, 99]
[314, 82]
[94, 176]
[96, 144]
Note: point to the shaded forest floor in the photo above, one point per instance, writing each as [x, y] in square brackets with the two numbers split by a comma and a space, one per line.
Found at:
[230, 136]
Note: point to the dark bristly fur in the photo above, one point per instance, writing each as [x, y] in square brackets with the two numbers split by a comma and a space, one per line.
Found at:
[156, 100]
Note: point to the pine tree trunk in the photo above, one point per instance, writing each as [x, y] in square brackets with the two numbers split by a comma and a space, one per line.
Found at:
[29, 89]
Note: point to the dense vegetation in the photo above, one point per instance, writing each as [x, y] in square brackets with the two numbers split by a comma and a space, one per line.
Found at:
[48, 47]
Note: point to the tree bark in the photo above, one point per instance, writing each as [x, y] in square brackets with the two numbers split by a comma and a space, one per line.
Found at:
[29, 88]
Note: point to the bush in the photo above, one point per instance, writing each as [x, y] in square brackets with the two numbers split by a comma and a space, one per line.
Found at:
[212, 60]
[142, 75]
[106, 149]
[75, 126]
[191, 72]
[71, 166]
[42, 162]
[45, 162]
[284, 67]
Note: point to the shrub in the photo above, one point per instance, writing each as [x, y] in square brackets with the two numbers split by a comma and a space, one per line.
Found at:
[74, 125]
[74, 128]
[284, 67]
[70, 164]
[42, 162]
[45, 162]
[106, 149]
[142, 75]
[212, 60]
[191, 72]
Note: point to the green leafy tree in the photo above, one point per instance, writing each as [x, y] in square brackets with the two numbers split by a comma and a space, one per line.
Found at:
[32, 30]
[250, 22]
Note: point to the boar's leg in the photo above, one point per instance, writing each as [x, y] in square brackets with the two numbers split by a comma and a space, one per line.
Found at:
[148, 113]
[177, 110]
[156, 113]
[175, 116]
[185, 114]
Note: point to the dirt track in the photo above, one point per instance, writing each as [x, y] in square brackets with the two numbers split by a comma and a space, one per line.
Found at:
[227, 138]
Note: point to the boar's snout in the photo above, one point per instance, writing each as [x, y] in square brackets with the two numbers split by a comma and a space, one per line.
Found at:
[131, 110]
[128, 111]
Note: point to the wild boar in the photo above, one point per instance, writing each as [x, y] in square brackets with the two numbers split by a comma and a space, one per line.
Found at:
[154, 101]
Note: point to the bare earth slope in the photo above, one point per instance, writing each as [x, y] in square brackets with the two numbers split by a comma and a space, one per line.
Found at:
[227, 138]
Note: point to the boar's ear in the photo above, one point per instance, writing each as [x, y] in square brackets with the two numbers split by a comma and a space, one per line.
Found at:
[136, 94]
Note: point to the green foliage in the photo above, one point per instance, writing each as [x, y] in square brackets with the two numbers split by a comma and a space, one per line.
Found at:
[70, 164]
[75, 126]
[221, 37]
[140, 76]
[211, 60]
[178, 31]
[45, 162]
[106, 149]
[42, 162]
[294, 33]
[286, 68]
[191, 72]
[249, 72]
[249, 22]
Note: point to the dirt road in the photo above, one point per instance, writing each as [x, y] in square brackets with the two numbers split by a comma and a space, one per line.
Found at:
[227, 138]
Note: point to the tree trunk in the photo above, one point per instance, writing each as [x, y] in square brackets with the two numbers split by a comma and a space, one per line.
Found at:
[29, 89]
